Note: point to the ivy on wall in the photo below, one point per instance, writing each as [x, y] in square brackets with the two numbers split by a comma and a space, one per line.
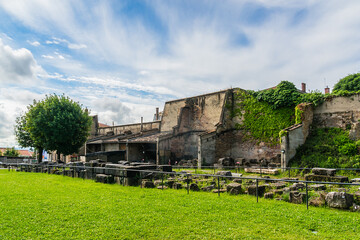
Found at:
[265, 113]
[259, 118]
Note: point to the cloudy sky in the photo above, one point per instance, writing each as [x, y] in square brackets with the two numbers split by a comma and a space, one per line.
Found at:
[121, 59]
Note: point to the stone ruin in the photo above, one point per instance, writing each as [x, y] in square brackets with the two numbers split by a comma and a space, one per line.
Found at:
[288, 189]
[325, 175]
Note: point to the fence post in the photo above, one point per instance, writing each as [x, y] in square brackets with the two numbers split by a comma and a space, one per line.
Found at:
[257, 190]
[162, 181]
[307, 197]
[289, 171]
[187, 182]
[218, 185]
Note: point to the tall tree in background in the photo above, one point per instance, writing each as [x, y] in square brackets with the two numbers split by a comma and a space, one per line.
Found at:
[349, 83]
[55, 123]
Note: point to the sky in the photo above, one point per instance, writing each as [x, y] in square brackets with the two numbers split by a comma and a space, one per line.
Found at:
[123, 58]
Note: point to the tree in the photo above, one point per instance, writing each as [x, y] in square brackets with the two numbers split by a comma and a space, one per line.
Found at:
[11, 152]
[55, 123]
[349, 83]
[0, 153]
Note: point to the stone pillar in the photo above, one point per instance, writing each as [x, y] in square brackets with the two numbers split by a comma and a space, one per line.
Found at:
[157, 152]
[199, 152]
[127, 151]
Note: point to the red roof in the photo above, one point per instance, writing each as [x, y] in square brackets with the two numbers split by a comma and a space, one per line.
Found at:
[103, 125]
[22, 153]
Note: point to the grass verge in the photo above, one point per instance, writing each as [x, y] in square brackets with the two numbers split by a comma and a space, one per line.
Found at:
[41, 206]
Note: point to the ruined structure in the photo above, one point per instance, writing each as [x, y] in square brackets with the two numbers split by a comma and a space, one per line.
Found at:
[339, 112]
[200, 127]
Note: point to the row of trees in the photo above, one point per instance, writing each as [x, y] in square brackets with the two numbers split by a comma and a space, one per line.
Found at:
[10, 152]
[55, 123]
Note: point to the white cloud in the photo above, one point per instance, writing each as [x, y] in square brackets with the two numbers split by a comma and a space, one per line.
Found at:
[34, 43]
[112, 109]
[48, 56]
[17, 65]
[76, 46]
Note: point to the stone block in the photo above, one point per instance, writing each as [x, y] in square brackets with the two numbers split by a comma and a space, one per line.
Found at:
[131, 181]
[219, 190]
[237, 180]
[317, 187]
[99, 170]
[324, 178]
[194, 187]
[355, 180]
[102, 178]
[296, 197]
[208, 188]
[357, 197]
[177, 185]
[269, 195]
[234, 188]
[147, 184]
[252, 190]
[278, 185]
[165, 168]
[297, 186]
[170, 183]
[224, 173]
[324, 171]
[340, 200]
[161, 187]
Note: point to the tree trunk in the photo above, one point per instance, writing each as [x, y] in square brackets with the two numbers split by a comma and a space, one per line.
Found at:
[40, 154]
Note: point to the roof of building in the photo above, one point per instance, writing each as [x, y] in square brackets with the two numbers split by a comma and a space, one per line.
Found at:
[22, 152]
[103, 125]
[149, 138]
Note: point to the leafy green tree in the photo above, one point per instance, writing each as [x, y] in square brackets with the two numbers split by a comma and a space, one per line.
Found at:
[55, 123]
[284, 95]
[11, 152]
[349, 83]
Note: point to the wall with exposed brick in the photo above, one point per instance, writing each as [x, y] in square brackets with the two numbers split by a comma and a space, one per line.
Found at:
[338, 112]
[203, 112]
[235, 144]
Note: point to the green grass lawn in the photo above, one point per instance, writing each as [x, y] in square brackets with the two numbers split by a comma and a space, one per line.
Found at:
[41, 206]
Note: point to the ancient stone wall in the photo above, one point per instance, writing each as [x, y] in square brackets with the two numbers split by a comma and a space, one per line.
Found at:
[206, 146]
[234, 144]
[202, 112]
[134, 128]
[290, 141]
[338, 112]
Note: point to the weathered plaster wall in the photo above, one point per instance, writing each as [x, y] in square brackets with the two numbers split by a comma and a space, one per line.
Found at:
[134, 128]
[234, 144]
[293, 139]
[134, 153]
[111, 147]
[202, 113]
[184, 146]
[206, 146]
[338, 112]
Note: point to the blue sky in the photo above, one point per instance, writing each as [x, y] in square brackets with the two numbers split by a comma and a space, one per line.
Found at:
[122, 59]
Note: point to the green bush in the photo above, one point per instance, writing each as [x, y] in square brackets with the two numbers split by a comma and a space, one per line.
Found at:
[348, 149]
[328, 147]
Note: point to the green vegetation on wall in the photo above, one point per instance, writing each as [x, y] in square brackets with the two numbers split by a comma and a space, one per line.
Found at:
[265, 113]
[328, 147]
[260, 119]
